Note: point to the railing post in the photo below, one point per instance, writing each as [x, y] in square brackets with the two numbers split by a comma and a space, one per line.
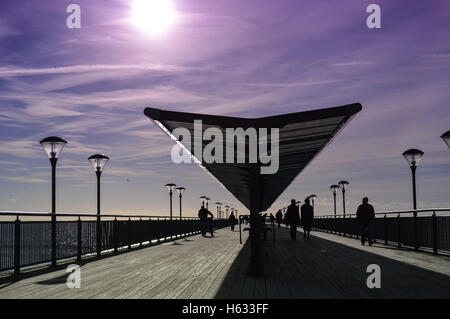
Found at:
[99, 236]
[116, 234]
[416, 232]
[435, 237]
[79, 243]
[129, 233]
[140, 231]
[385, 230]
[17, 246]
[399, 231]
[374, 223]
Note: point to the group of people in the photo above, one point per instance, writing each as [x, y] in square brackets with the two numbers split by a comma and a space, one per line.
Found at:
[293, 217]
[205, 217]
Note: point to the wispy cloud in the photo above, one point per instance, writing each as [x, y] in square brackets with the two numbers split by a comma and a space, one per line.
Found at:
[12, 71]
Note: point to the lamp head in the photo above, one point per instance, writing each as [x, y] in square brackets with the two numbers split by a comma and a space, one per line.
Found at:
[98, 161]
[412, 156]
[53, 145]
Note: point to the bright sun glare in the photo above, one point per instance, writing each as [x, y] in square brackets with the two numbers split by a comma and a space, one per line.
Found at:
[153, 16]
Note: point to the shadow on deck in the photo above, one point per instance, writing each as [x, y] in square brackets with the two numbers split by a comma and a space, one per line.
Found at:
[322, 268]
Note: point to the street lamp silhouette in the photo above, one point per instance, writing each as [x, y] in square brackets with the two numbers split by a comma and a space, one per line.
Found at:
[218, 204]
[312, 197]
[53, 145]
[413, 157]
[446, 138]
[333, 189]
[98, 162]
[171, 188]
[343, 185]
[226, 211]
[180, 191]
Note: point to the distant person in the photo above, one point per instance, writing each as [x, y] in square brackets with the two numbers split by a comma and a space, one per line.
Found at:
[293, 218]
[365, 214]
[272, 219]
[307, 218]
[279, 217]
[232, 221]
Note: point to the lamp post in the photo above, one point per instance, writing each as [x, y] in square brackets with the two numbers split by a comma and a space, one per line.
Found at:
[413, 157]
[226, 211]
[343, 185]
[170, 188]
[53, 145]
[180, 191]
[333, 188]
[446, 138]
[98, 162]
[218, 204]
[312, 197]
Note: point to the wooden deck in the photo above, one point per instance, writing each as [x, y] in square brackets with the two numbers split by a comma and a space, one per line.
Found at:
[215, 268]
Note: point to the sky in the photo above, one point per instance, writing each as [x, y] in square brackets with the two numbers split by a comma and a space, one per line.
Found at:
[90, 86]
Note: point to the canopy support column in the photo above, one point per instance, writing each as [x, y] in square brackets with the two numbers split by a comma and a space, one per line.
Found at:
[256, 264]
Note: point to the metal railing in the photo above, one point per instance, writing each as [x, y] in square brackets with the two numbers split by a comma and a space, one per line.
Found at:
[424, 229]
[29, 243]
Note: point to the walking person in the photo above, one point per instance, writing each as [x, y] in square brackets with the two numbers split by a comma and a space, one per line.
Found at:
[203, 216]
[293, 218]
[365, 214]
[307, 218]
[279, 218]
[232, 221]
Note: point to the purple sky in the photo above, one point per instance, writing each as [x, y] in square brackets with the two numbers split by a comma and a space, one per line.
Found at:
[233, 57]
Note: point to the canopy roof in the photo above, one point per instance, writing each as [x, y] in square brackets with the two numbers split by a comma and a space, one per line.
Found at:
[302, 136]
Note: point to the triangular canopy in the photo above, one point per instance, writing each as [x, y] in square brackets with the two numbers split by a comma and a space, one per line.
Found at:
[302, 136]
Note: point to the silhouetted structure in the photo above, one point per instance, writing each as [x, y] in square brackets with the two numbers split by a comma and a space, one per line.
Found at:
[307, 215]
[365, 214]
[302, 136]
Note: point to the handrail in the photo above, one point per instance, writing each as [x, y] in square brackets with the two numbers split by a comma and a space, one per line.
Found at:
[37, 214]
[427, 210]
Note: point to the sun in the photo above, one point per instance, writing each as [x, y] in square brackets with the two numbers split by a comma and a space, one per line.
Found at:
[153, 16]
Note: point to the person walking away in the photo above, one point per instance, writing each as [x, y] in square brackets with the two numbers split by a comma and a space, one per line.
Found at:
[307, 218]
[203, 216]
[365, 214]
[279, 218]
[232, 221]
[293, 218]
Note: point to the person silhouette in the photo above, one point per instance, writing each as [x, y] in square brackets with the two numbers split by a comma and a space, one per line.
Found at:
[307, 218]
[293, 218]
[232, 221]
[365, 214]
[203, 216]
[279, 217]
